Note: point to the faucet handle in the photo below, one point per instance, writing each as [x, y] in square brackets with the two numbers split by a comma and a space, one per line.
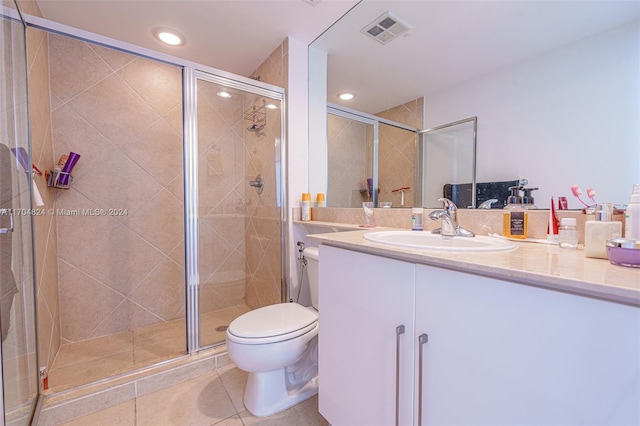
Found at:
[448, 204]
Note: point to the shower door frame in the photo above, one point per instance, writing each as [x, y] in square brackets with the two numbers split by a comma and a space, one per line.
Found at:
[22, 225]
[191, 186]
[190, 165]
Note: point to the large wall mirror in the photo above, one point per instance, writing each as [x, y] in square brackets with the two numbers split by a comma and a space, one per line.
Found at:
[555, 86]
[371, 158]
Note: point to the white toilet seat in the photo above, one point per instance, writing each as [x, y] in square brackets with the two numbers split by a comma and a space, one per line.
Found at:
[271, 339]
[273, 323]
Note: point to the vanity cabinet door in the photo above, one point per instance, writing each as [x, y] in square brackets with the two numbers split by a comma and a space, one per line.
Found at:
[505, 353]
[363, 299]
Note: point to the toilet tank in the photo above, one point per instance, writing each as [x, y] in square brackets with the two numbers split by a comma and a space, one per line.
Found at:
[311, 254]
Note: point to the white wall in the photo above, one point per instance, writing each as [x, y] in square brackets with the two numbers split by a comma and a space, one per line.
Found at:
[568, 117]
[318, 144]
[298, 143]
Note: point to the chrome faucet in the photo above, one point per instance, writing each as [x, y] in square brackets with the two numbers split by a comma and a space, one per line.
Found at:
[449, 217]
[487, 204]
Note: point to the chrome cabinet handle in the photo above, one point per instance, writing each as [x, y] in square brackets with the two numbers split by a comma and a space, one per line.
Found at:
[4, 212]
[399, 331]
[422, 339]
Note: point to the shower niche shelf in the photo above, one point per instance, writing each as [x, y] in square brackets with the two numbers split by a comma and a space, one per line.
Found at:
[57, 179]
[257, 115]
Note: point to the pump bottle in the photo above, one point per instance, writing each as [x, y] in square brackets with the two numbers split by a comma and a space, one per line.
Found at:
[632, 215]
[515, 217]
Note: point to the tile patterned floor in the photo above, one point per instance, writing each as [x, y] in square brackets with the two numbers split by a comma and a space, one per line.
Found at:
[211, 399]
[90, 360]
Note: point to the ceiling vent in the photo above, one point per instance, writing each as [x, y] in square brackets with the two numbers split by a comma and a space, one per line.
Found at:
[385, 28]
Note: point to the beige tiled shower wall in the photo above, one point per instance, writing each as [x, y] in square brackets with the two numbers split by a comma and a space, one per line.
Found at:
[120, 226]
[396, 152]
[46, 255]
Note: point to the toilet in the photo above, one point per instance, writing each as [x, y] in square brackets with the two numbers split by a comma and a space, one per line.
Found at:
[278, 346]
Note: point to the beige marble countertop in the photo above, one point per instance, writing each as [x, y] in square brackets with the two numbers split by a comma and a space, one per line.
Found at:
[540, 265]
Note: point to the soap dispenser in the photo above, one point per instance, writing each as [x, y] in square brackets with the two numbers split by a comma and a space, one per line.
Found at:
[598, 231]
[515, 217]
[527, 198]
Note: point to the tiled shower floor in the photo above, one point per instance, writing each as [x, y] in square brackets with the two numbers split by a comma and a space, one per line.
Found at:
[91, 360]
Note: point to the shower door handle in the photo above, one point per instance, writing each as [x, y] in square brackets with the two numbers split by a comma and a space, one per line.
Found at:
[4, 212]
[399, 331]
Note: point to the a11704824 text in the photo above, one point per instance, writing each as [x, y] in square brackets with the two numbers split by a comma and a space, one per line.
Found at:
[66, 212]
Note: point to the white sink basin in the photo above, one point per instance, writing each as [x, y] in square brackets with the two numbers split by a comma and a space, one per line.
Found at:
[429, 241]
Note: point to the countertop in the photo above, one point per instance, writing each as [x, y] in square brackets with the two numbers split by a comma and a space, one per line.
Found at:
[541, 265]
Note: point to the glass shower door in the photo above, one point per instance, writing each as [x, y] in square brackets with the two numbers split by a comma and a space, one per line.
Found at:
[239, 184]
[17, 307]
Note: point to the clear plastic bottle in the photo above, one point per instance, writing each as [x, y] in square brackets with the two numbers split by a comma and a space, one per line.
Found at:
[568, 233]
[416, 219]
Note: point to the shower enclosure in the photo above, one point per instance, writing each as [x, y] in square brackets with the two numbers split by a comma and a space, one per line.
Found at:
[19, 391]
[172, 225]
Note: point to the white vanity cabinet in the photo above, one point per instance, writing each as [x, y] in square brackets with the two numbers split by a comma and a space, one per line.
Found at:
[363, 300]
[511, 354]
[497, 352]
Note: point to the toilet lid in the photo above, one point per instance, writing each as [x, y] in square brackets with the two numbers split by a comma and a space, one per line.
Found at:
[272, 320]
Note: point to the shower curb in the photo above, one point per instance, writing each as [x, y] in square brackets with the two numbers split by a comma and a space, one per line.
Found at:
[70, 404]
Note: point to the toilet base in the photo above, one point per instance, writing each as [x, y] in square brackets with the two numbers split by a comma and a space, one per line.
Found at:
[266, 393]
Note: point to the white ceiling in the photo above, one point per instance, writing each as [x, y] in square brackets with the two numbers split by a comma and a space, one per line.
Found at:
[231, 35]
[450, 41]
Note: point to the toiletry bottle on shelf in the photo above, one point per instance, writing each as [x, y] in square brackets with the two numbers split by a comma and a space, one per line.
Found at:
[320, 200]
[632, 215]
[553, 225]
[416, 219]
[305, 206]
[515, 217]
[562, 203]
[598, 231]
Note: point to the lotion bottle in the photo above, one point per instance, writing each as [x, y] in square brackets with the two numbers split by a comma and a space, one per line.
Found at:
[632, 215]
[515, 217]
[597, 232]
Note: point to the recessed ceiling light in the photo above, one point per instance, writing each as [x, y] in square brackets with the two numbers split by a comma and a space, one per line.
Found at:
[224, 94]
[346, 96]
[169, 36]
[271, 106]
